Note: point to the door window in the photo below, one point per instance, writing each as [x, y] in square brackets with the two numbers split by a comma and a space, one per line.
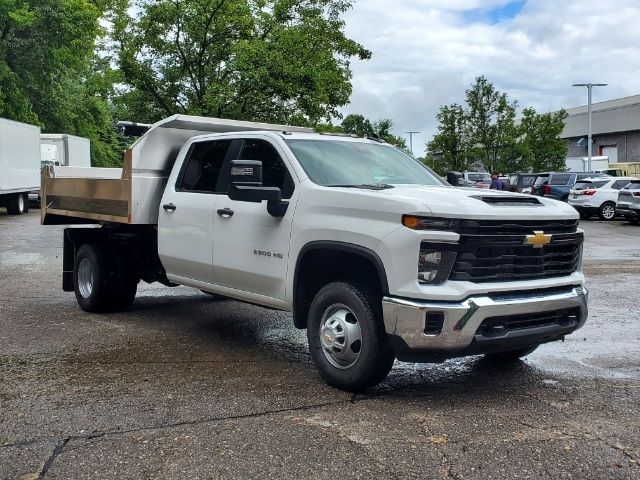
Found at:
[201, 169]
[274, 171]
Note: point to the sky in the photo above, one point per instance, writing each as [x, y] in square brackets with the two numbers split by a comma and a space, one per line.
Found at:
[426, 53]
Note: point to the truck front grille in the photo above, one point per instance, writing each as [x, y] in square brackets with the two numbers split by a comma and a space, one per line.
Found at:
[496, 326]
[514, 227]
[501, 258]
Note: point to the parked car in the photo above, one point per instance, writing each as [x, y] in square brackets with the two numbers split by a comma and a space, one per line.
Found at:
[597, 196]
[559, 183]
[542, 179]
[520, 181]
[477, 179]
[628, 203]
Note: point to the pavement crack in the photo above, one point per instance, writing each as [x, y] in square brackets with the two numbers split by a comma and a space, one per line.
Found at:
[58, 449]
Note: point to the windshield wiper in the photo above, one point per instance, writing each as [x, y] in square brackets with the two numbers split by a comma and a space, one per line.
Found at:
[367, 186]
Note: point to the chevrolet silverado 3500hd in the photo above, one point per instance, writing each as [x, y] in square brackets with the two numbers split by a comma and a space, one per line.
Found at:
[375, 255]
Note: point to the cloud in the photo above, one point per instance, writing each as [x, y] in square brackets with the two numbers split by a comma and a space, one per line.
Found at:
[426, 53]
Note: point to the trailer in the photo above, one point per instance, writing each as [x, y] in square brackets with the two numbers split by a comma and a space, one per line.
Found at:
[65, 150]
[19, 164]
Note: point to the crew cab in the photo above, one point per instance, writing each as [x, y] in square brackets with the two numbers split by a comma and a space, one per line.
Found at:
[374, 255]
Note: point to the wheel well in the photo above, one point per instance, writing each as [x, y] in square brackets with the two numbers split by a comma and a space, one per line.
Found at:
[325, 263]
[138, 245]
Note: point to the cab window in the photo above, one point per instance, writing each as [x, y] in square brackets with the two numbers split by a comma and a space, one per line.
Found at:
[274, 171]
[202, 167]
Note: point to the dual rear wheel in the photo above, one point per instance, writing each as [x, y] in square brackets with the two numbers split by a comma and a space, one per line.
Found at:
[103, 280]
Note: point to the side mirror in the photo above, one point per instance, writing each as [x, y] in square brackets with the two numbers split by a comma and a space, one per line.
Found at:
[246, 186]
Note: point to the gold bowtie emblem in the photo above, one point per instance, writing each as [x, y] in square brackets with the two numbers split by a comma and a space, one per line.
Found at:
[538, 240]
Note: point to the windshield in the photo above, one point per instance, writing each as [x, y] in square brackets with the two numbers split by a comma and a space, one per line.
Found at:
[342, 163]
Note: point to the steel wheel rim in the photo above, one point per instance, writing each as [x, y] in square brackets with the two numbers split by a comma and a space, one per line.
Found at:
[20, 203]
[340, 336]
[85, 278]
[608, 212]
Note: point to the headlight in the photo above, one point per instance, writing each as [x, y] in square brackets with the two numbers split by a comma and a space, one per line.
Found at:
[434, 265]
[429, 223]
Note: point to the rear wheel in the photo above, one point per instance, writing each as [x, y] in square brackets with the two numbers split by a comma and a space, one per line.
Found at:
[102, 280]
[510, 356]
[347, 340]
[607, 211]
[18, 205]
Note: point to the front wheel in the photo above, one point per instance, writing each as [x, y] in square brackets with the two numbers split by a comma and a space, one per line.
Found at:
[19, 204]
[510, 356]
[607, 211]
[347, 340]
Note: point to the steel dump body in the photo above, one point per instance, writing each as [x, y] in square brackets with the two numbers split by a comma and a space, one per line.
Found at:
[131, 194]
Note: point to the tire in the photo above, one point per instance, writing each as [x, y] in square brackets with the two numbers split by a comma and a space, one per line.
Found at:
[102, 280]
[347, 340]
[607, 211]
[510, 356]
[18, 204]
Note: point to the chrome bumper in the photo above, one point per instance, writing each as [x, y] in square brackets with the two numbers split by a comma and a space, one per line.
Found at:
[405, 318]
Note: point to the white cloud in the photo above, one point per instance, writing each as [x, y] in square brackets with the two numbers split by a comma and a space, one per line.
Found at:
[426, 53]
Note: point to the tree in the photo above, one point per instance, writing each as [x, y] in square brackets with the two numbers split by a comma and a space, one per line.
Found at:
[283, 61]
[541, 147]
[46, 53]
[451, 142]
[363, 127]
[491, 121]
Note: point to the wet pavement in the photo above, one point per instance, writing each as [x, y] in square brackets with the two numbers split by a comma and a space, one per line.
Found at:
[186, 386]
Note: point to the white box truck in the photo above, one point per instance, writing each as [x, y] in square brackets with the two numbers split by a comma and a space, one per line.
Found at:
[375, 256]
[19, 165]
[65, 150]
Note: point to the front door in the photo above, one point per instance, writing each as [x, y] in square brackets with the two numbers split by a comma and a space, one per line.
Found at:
[187, 213]
[250, 247]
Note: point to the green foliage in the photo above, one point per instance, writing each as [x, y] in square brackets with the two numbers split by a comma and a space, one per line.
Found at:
[485, 131]
[283, 61]
[356, 124]
[541, 147]
[46, 70]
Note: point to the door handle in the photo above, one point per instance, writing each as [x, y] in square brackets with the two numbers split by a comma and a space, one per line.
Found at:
[225, 212]
[169, 207]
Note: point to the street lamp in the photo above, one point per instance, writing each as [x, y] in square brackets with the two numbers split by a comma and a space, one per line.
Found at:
[589, 87]
[411, 140]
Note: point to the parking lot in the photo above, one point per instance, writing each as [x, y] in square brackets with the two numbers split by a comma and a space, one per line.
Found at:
[184, 386]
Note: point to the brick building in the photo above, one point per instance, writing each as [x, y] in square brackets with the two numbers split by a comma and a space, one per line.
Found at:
[616, 130]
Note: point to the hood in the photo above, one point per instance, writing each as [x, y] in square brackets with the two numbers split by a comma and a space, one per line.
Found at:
[477, 203]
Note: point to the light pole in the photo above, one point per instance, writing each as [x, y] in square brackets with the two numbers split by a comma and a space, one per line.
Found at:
[589, 87]
[411, 140]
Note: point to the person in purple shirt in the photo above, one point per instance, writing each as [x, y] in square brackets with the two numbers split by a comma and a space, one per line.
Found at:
[496, 183]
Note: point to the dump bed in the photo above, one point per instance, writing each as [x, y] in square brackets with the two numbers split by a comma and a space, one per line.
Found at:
[131, 194]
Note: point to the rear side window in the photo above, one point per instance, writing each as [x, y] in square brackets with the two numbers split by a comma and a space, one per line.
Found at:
[560, 179]
[202, 167]
[528, 180]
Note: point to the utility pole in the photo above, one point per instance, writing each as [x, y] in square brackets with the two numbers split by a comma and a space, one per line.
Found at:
[411, 140]
[589, 141]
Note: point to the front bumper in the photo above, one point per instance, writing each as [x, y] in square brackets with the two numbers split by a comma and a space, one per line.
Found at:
[406, 322]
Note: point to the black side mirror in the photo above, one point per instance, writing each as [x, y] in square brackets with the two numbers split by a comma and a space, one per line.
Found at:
[454, 178]
[246, 186]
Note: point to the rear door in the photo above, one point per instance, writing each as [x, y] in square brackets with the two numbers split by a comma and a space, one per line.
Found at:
[251, 248]
[187, 212]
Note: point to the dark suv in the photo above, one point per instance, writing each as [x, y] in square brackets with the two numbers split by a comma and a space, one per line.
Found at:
[556, 185]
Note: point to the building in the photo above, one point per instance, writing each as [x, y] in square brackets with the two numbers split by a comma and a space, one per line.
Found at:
[615, 130]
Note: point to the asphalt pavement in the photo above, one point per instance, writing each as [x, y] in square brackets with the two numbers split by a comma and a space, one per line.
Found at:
[186, 386]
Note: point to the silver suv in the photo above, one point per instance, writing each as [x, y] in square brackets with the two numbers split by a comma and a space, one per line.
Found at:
[629, 202]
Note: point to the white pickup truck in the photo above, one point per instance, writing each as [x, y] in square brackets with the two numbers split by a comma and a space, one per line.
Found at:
[375, 256]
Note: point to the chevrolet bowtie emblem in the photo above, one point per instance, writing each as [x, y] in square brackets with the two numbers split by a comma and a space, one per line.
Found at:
[538, 240]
